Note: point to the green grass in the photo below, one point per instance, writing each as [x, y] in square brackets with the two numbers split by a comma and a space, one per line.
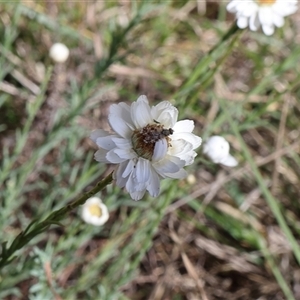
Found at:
[230, 82]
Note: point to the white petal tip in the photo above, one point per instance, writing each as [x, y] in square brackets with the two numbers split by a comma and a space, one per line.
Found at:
[229, 161]
[142, 98]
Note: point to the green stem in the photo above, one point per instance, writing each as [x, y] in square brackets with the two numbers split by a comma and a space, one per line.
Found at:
[34, 228]
[276, 272]
[205, 79]
[271, 201]
[204, 62]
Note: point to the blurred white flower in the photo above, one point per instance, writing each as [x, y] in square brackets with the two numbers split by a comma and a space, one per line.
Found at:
[59, 52]
[191, 179]
[267, 13]
[94, 212]
[148, 144]
[217, 149]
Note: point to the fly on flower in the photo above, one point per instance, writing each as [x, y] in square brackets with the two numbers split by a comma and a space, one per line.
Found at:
[267, 13]
[147, 144]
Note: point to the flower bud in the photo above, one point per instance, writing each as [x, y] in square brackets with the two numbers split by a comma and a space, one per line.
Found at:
[217, 149]
[59, 52]
[95, 212]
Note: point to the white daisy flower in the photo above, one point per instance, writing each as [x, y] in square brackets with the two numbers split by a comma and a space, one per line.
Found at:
[267, 13]
[217, 149]
[59, 52]
[95, 212]
[148, 144]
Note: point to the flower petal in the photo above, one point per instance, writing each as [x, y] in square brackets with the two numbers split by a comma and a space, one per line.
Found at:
[265, 15]
[231, 7]
[160, 150]
[142, 170]
[134, 188]
[153, 186]
[254, 22]
[113, 157]
[170, 164]
[122, 143]
[120, 119]
[285, 8]
[123, 111]
[137, 195]
[119, 126]
[183, 150]
[268, 29]
[184, 126]
[140, 112]
[278, 20]
[242, 22]
[106, 142]
[189, 137]
[98, 133]
[100, 156]
[118, 174]
[180, 147]
[178, 175]
[229, 161]
[189, 157]
[125, 153]
[165, 113]
[249, 9]
[129, 168]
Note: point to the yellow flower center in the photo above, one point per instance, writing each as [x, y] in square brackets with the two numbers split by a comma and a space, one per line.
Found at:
[266, 2]
[143, 140]
[95, 210]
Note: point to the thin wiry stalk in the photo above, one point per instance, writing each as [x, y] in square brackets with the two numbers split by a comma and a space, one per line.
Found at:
[35, 227]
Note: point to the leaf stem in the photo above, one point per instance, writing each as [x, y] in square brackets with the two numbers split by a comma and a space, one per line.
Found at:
[35, 228]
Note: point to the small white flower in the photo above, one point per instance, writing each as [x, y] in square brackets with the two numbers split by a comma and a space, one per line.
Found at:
[267, 13]
[217, 149]
[148, 144]
[94, 212]
[59, 52]
[191, 179]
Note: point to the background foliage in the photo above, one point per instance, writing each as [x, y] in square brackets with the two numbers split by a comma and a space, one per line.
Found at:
[215, 235]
